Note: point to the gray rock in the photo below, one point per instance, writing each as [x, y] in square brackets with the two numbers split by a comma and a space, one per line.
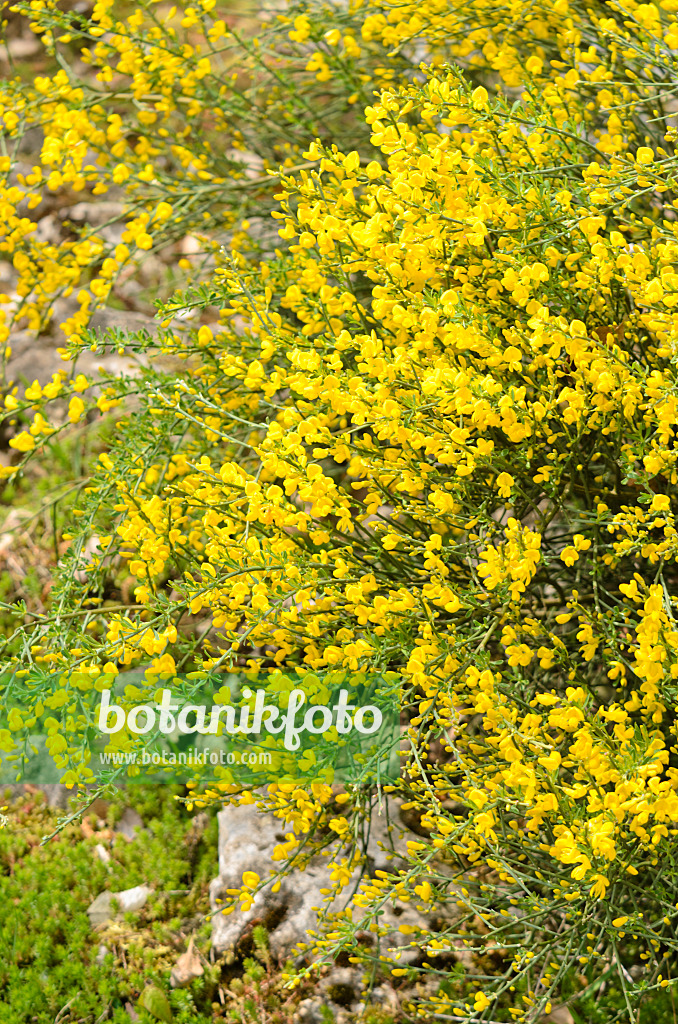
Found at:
[103, 854]
[128, 900]
[561, 1015]
[310, 1011]
[342, 986]
[129, 823]
[93, 214]
[56, 794]
[247, 840]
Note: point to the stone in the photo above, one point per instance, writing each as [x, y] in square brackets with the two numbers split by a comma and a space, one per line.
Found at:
[56, 794]
[129, 824]
[341, 986]
[310, 1011]
[561, 1015]
[247, 840]
[103, 854]
[128, 900]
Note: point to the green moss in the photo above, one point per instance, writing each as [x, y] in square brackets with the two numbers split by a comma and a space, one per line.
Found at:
[50, 956]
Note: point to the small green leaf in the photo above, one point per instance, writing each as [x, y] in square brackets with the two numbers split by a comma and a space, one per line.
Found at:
[155, 1001]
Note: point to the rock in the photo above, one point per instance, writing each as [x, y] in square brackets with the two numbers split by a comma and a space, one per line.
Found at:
[103, 854]
[129, 824]
[186, 969]
[247, 840]
[56, 795]
[341, 986]
[46, 229]
[121, 319]
[99, 911]
[310, 1011]
[35, 357]
[561, 1015]
[383, 995]
[129, 900]
[25, 47]
[90, 551]
[339, 992]
[106, 216]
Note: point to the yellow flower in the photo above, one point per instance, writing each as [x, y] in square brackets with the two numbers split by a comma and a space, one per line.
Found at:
[505, 483]
[479, 98]
[599, 888]
[76, 408]
[23, 442]
[660, 503]
[569, 555]
[481, 1002]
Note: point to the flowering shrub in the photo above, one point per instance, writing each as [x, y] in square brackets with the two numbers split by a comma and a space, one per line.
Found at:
[432, 433]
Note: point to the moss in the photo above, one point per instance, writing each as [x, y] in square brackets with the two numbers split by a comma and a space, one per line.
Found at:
[49, 955]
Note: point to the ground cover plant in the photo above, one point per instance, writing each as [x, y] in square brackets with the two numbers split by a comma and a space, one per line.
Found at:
[416, 413]
[52, 962]
[58, 963]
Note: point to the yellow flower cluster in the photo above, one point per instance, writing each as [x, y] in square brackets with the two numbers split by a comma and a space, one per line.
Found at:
[431, 420]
